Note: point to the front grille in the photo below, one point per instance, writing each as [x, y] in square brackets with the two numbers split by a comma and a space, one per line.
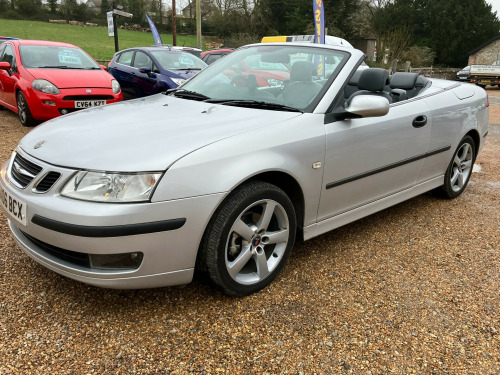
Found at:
[24, 171]
[72, 257]
[47, 182]
[88, 97]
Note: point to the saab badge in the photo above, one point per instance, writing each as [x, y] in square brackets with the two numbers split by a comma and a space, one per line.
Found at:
[39, 144]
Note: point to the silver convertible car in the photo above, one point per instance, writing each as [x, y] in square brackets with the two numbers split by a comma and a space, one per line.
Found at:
[273, 143]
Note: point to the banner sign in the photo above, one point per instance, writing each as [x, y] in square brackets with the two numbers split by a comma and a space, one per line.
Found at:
[111, 28]
[319, 21]
[156, 34]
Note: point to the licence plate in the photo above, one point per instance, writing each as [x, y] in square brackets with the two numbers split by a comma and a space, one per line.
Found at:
[485, 81]
[15, 207]
[89, 103]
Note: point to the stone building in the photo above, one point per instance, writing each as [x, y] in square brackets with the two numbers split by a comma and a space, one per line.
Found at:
[487, 53]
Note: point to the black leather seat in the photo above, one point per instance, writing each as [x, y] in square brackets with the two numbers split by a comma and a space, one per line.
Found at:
[373, 81]
[404, 81]
[352, 85]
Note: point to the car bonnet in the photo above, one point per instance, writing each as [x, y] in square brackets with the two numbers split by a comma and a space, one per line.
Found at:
[146, 134]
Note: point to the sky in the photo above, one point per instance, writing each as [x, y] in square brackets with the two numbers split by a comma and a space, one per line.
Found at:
[495, 5]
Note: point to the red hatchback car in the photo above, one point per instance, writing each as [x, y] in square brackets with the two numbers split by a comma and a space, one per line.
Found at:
[41, 80]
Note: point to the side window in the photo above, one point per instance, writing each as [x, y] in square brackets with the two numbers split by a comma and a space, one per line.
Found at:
[9, 56]
[126, 58]
[212, 57]
[155, 69]
[142, 60]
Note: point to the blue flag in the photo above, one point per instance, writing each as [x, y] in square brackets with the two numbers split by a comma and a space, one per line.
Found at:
[319, 21]
[156, 34]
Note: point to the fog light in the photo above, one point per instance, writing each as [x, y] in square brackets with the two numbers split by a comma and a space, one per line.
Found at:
[49, 102]
[64, 111]
[116, 261]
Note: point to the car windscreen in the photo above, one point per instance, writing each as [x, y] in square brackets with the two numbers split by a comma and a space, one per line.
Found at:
[53, 57]
[173, 60]
[293, 75]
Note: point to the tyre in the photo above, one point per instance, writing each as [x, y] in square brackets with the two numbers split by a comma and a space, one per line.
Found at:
[249, 239]
[460, 169]
[23, 111]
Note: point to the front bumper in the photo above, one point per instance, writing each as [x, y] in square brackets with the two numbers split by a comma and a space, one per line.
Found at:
[47, 106]
[167, 234]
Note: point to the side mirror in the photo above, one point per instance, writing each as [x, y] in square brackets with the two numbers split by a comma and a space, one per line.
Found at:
[145, 70]
[104, 67]
[5, 66]
[361, 106]
[368, 106]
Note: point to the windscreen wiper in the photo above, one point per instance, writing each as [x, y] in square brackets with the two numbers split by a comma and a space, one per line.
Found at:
[186, 94]
[57, 67]
[254, 104]
[187, 69]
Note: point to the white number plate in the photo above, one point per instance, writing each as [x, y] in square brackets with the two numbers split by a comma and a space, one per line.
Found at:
[89, 103]
[15, 207]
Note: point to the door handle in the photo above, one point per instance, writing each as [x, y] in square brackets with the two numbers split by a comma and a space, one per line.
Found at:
[419, 121]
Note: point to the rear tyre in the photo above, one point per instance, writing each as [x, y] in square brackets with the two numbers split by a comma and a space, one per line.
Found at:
[249, 239]
[460, 169]
[23, 111]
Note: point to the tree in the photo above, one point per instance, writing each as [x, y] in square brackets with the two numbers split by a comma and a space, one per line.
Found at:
[52, 6]
[29, 8]
[450, 28]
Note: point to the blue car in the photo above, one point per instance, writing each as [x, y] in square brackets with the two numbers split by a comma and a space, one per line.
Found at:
[143, 71]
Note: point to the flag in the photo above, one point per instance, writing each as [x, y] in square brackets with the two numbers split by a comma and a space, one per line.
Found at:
[156, 34]
[319, 21]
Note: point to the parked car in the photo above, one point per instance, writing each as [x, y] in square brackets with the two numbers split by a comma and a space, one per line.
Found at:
[464, 74]
[41, 80]
[144, 71]
[215, 54]
[223, 178]
[192, 50]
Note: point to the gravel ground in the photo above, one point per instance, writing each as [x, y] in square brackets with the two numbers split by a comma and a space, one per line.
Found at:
[411, 290]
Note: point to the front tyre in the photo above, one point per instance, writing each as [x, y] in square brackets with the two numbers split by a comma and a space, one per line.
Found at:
[249, 239]
[23, 111]
[460, 169]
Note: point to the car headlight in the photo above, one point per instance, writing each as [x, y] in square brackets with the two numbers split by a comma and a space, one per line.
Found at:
[45, 86]
[115, 86]
[178, 81]
[111, 187]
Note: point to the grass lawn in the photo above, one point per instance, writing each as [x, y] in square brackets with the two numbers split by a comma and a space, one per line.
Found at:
[94, 40]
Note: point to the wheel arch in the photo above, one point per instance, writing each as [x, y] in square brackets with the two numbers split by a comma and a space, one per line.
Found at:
[477, 140]
[282, 180]
[291, 187]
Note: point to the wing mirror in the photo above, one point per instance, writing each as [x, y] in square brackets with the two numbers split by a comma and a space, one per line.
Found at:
[6, 66]
[362, 106]
[145, 70]
[368, 106]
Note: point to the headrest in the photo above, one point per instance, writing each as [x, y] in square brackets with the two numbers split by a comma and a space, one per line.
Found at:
[405, 81]
[355, 78]
[373, 79]
[302, 71]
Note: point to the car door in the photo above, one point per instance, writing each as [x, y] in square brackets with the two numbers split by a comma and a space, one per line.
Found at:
[123, 72]
[8, 79]
[143, 83]
[368, 159]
